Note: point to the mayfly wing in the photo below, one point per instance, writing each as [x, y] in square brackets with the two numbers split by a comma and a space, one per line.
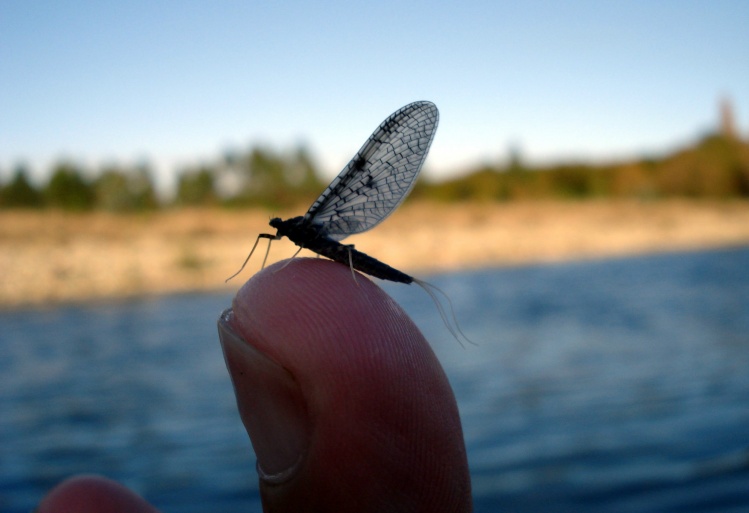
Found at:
[380, 175]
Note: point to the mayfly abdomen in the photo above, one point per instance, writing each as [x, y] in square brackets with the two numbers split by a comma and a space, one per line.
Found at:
[368, 265]
[362, 262]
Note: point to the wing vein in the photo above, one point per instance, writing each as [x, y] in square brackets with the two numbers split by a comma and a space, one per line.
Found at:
[380, 175]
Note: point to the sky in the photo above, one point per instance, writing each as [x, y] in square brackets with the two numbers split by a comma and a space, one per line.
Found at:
[179, 83]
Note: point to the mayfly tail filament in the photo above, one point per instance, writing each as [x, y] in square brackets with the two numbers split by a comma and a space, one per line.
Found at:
[454, 327]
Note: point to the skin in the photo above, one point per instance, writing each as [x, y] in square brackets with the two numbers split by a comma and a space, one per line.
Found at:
[344, 401]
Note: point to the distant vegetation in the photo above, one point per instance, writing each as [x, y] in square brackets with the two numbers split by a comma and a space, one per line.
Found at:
[715, 167]
[260, 177]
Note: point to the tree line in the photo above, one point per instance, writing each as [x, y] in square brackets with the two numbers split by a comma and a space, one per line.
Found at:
[717, 166]
[258, 177]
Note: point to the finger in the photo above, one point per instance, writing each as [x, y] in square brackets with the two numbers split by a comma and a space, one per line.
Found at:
[93, 494]
[346, 405]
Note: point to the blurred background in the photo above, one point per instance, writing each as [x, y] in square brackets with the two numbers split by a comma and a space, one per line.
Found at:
[584, 204]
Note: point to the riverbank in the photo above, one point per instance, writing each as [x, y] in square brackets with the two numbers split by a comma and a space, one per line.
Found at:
[52, 257]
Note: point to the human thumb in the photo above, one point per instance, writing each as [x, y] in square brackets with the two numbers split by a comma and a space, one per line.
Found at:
[345, 403]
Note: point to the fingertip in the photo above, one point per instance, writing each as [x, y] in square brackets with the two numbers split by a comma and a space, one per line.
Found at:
[315, 306]
[93, 494]
[384, 430]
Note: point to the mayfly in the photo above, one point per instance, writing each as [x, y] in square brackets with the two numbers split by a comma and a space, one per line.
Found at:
[368, 190]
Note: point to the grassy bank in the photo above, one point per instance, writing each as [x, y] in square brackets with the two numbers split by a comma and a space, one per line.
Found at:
[57, 257]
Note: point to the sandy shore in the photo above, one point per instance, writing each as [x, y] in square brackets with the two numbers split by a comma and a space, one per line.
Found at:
[57, 257]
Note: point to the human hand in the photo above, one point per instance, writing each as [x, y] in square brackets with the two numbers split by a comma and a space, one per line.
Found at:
[345, 403]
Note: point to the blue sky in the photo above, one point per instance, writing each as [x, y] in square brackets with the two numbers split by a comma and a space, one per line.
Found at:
[174, 83]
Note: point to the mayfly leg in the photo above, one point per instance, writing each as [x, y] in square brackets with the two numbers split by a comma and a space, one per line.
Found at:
[349, 247]
[267, 250]
[288, 261]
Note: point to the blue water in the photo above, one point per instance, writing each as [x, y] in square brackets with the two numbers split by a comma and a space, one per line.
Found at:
[612, 386]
